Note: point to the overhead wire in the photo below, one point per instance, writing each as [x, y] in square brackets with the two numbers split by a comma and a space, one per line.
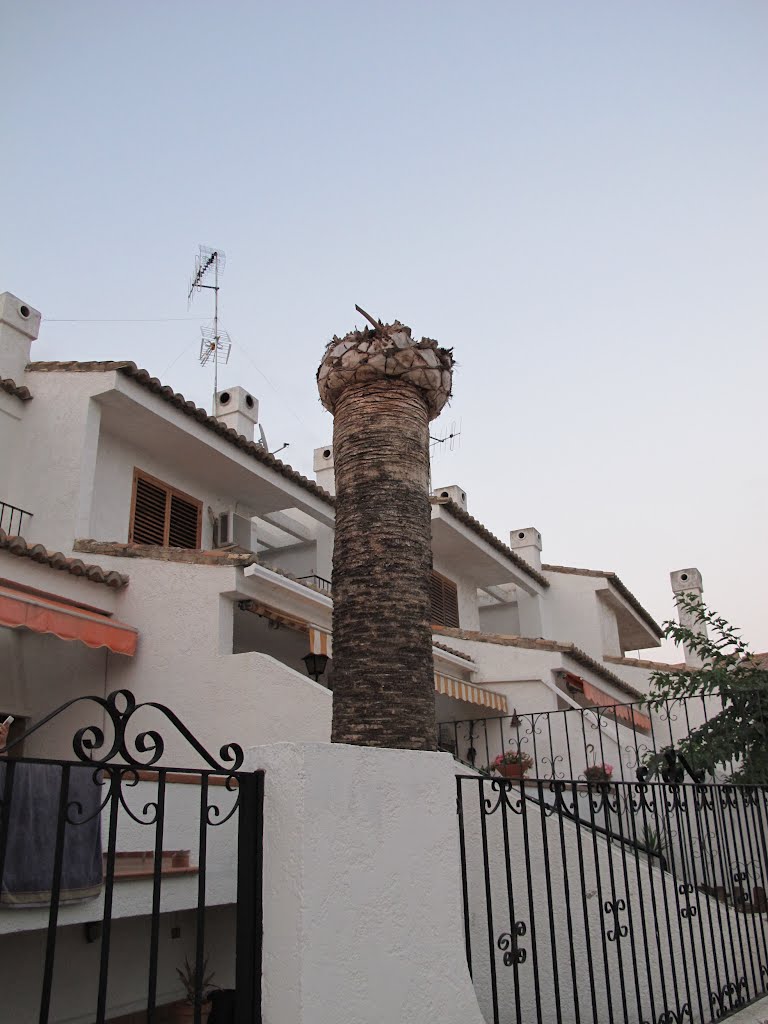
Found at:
[145, 320]
[310, 432]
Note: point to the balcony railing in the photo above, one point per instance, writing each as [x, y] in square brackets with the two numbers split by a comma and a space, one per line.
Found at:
[316, 581]
[12, 519]
[575, 742]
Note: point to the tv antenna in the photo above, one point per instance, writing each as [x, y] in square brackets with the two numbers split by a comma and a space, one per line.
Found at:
[448, 439]
[215, 345]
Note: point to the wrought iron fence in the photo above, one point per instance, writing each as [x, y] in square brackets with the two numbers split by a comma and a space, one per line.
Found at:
[71, 839]
[575, 742]
[12, 518]
[641, 903]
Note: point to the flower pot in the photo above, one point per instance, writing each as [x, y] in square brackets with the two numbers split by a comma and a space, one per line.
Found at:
[512, 771]
[601, 777]
[184, 1013]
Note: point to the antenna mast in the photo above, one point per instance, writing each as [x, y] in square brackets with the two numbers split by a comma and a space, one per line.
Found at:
[215, 345]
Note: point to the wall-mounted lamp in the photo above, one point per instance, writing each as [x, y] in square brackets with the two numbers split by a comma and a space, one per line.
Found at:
[316, 664]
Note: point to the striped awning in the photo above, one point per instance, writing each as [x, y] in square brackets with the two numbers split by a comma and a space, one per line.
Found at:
[320, 641]
[460, 690]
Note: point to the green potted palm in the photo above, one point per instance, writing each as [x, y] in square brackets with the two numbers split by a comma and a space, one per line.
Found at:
[183, 1011]
[512, 764]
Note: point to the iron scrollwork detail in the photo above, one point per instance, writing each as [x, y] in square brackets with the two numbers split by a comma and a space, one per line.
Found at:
[734, 992]
[619, 931]
[673, 1016]
[689, 910]
[507, 942]
[145, 750]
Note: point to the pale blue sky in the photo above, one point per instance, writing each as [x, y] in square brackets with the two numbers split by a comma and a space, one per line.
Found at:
[571, 195]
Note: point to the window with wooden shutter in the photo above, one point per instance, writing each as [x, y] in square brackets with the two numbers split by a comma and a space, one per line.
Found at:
[162, 515]
[444, 601]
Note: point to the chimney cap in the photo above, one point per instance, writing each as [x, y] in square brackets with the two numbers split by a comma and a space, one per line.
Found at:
[236, 400]
[454, 492]
[322, 458]
[685, 580]
[20, 315]
[525, 537]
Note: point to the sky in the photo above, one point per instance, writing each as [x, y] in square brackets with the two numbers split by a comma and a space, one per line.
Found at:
[571, 196]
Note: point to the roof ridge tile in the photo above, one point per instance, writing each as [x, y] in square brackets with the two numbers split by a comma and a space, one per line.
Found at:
[17, 545]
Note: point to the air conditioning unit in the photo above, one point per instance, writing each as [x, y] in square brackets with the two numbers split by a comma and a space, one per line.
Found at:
[232, 531]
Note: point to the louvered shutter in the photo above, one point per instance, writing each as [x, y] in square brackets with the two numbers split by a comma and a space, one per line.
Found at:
[184, 523]
[444, 601]
[162, 515]
[149, 511]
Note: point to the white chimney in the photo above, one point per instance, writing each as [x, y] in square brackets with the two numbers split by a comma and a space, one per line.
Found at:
[19, 327]
[527, 544]
[237, 409]
[688, 581]
[454, 492]
[322, 464]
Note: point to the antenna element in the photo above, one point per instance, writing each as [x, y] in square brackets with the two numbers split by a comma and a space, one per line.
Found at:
[215, 345]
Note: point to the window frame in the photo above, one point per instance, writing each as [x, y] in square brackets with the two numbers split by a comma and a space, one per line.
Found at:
[170, 491]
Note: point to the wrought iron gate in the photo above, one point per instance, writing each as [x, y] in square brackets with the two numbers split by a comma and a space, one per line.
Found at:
[599, 902]
[72, 851]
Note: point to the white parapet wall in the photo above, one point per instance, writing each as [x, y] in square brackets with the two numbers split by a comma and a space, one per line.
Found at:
[362, 904]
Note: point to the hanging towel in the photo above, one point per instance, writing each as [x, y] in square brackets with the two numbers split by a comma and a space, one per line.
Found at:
[31, 840]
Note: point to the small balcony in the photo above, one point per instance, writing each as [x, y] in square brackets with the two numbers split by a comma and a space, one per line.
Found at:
[13, 519]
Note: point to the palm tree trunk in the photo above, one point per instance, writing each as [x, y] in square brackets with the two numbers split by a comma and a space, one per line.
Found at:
[383, 676]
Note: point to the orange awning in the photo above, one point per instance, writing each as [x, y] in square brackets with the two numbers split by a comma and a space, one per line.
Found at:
[627, 712]
[19, 610]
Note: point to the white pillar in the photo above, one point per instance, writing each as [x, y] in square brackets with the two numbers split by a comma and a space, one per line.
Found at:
[688, 581]
[362, 887]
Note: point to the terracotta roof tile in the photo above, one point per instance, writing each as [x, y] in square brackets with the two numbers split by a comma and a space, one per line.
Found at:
[477, 527]
[539, 644]
[662, 666]
[146, 380]
[56, 560]
[616, 583]
[452, 650]
[18, 390]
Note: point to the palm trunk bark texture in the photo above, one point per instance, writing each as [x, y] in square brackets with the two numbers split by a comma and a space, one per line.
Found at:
[383, 388]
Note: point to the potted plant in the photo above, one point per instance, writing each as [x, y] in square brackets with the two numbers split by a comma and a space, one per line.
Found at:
[598, 772]
[184, 1011]
[512, 764]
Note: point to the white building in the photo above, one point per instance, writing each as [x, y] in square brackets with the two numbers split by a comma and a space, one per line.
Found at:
[146, 545]
[150, 512]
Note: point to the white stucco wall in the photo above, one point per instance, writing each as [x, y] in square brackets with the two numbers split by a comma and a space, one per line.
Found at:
[55, 475]
[500, 618]
[609, 630]
[574, 611]
[11, 415]
[298, 560]
[362, 889]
